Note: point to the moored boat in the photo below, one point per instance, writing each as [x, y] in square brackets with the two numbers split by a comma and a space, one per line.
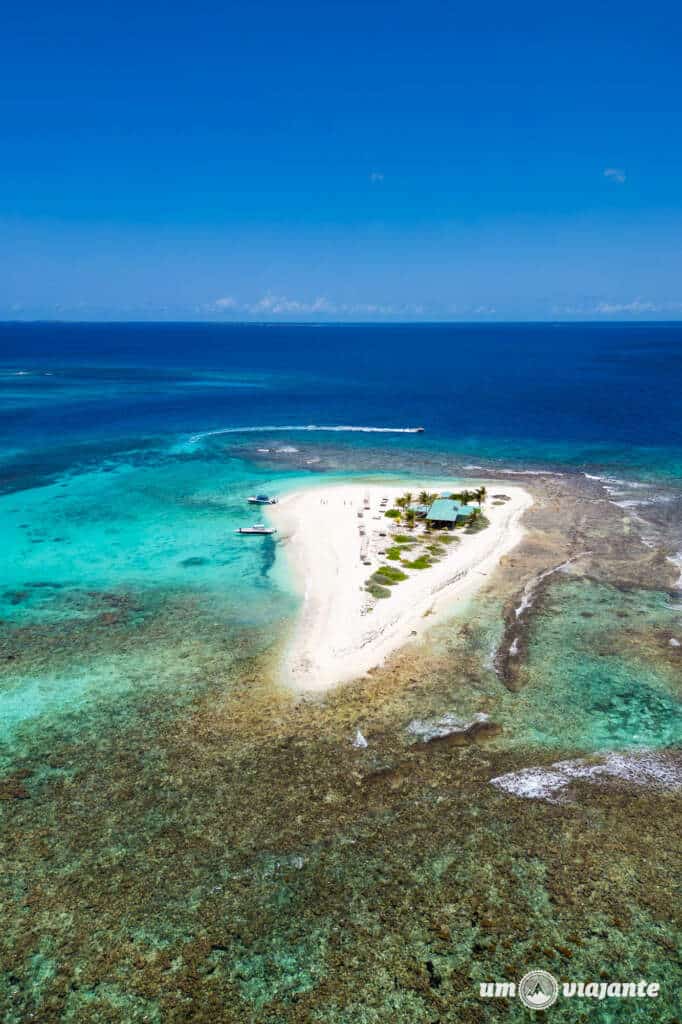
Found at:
[259, 529]
[262, 499]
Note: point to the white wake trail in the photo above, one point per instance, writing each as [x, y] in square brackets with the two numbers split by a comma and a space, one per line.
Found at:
[311, 427]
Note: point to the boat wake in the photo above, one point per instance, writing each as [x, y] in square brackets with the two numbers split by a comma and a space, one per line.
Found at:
[311, 427]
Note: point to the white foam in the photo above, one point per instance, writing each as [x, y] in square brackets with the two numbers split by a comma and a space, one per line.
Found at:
[632, 503]
[532, 585]
[640, 768]
[677, 561]
[527, 472]
[614, 480]
[446, 725]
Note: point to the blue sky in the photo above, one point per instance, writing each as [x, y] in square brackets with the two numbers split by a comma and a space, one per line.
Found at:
[355, 160]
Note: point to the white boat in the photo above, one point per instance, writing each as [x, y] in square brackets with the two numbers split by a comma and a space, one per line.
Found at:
[262, 499]
[260, 528]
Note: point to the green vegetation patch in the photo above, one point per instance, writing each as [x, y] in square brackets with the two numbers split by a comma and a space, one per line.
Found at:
[376, 590]
[393, 513]
[393, 553]
[477, 524]
[423, 562]
[402, 538]
[388, 575]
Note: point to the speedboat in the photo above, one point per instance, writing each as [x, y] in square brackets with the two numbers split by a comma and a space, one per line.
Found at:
[261, 499]
[260, 528]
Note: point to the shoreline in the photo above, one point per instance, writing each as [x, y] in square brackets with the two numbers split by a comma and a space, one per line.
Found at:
[342, 632]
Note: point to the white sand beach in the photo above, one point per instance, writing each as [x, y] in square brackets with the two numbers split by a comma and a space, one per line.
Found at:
[336, 536]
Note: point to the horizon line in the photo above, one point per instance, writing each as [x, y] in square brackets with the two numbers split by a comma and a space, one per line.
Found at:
[602, 322]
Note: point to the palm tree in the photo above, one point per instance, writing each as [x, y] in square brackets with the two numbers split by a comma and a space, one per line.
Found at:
[410, 517]
[408, 497]
[401, 502]
[480, 495]
[424, 498]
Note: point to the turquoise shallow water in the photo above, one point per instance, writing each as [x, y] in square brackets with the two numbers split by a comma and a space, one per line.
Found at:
[596, 677]
[601, 674]
[165, 526]
[77, 548]
[181, 840]
[104, 550]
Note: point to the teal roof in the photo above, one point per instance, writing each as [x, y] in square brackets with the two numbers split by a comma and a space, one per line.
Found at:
[444, 510]
[466, 510]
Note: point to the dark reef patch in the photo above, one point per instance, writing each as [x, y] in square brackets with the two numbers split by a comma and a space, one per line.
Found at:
[232, 862]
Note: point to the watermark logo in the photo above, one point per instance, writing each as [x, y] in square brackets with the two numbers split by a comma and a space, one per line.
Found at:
[538, 990]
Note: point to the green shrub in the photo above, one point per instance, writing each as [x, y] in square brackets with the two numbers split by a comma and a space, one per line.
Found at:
[388, 575]
[477, 524]
[393, 553]
[402, 538]
[393, 513]
[376, 590]
[423, 562]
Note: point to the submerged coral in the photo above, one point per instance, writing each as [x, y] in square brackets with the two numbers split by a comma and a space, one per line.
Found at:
[184, 841]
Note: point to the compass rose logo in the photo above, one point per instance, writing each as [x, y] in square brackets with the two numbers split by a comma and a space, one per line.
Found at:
[538, 990]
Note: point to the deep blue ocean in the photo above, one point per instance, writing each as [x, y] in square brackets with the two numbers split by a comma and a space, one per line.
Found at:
[579, 395]
[128, 450]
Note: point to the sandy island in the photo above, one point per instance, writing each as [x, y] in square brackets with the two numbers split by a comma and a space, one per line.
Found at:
[337, 536]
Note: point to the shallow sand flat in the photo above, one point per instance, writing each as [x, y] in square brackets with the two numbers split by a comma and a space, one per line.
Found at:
[342, 632]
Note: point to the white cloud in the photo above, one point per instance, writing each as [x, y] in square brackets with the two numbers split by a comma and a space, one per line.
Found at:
[616, 174]
[274, 305]
[408, 309]
[638, 306]
[634, 307]
[278, 304]
[376, 176]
